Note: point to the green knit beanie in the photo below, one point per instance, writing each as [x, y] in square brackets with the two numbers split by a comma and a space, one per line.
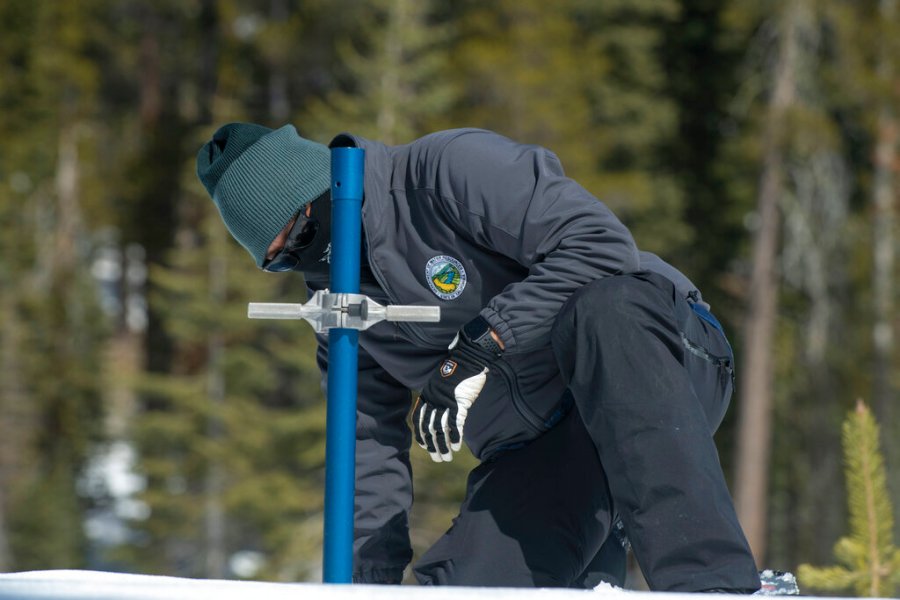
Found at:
[259, 178]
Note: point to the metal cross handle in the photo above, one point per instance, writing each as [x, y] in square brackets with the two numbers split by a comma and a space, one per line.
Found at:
[349, 311]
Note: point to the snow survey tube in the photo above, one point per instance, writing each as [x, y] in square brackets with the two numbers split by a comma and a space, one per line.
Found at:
[347, 166]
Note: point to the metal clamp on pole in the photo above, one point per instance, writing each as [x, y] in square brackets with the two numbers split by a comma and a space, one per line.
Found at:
[349, 311]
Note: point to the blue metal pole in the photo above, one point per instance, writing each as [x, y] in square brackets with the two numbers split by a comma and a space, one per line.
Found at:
[340, 443]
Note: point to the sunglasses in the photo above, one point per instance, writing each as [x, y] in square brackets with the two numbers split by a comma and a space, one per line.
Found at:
[301, 235]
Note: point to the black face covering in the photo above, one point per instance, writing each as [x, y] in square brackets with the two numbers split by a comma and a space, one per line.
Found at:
[308, 245]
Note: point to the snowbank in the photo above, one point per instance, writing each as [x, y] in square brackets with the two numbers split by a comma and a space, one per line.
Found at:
[94, 585]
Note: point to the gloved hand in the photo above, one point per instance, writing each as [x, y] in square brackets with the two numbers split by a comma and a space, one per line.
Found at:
[442, 407]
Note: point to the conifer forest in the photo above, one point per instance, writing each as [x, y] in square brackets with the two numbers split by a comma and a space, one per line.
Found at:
[148, 426]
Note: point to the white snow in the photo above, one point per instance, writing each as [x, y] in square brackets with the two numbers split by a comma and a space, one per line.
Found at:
[95, 585]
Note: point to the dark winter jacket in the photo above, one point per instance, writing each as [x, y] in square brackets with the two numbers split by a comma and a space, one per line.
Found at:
[475, 223]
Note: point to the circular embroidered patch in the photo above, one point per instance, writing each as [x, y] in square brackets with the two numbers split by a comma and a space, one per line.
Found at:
[446, 277]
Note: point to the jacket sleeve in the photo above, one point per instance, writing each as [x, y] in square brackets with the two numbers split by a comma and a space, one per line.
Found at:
[381, 548]
[514, 199]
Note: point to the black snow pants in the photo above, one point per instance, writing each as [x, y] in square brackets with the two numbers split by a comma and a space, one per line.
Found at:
[651, 378]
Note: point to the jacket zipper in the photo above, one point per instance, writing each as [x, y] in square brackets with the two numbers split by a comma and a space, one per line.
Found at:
[407, 328]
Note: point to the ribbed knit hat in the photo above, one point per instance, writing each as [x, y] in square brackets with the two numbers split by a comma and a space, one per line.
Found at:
[259, 178]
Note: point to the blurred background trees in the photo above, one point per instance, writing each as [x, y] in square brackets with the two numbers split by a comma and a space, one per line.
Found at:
[146, 425]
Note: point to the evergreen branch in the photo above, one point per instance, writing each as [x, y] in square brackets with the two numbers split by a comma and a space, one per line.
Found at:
[869, 557]
[827, 578]
[867, 455]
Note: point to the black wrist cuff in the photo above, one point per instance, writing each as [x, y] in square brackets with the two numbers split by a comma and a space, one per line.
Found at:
[478, 333]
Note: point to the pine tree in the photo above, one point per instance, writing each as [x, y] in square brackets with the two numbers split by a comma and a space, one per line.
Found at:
[394, 88]
[231, 441]
[701, 74]
[864, 81]
[871, 561]
[51, 407]
[754, 440]
[634, 119]
[794, 280]
[536, 72]
[524, 71]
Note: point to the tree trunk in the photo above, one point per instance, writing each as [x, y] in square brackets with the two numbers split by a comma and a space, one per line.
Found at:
[884, 195]
[390, 83]
[208, 77]
[279, 96]
[11, 432]
[756, 388]
[214, 517]
[883, 198]
[68, 212]
[215, 520]
[151, 94]
[5, 554]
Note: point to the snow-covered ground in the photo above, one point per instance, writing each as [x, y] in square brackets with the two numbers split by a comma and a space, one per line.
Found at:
[94, 585]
